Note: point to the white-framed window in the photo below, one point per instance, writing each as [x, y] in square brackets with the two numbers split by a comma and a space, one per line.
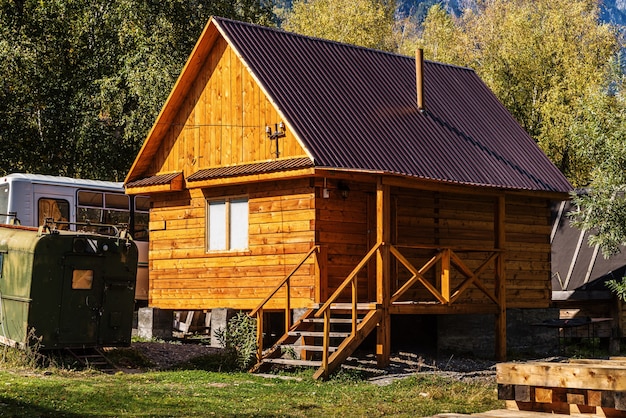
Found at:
[227, 224]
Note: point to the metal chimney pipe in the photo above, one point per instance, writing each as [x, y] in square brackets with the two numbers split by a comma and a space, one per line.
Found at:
[419, 77]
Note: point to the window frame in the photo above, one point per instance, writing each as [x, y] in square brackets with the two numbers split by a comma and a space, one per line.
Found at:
[227, 225]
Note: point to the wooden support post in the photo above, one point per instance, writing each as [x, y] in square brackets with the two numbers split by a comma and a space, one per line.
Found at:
[288, 306]
[259, 335]
[355, 301]
[326, 343]
[445, 274]
[321, 274]
[500, 291]
[383, 273]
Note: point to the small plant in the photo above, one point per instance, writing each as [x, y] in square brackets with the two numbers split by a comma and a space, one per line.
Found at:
[28, 356]
[239, 338]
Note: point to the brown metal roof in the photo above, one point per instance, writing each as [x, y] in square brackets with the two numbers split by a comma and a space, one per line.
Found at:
[356, 109]
[249, 169]
[157, 180]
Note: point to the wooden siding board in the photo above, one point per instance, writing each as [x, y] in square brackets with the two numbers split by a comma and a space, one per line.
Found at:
[280, 233]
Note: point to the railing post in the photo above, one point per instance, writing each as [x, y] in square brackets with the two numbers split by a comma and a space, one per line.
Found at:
[355, 286]
[259, 335]
[445, 274]
[321, 274]
[326, 342]
[288, 306]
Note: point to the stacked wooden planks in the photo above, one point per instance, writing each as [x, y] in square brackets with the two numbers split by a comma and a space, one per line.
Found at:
[586, 387]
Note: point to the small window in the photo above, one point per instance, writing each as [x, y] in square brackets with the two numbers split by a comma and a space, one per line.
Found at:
[82, 279]
[93, 199]
[142, 204]
[116, 201]
[56, 209]
[4, 204]
[1, 264]
[227, 224]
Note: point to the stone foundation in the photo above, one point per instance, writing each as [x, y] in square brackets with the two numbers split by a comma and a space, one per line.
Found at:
[154, 323]
[475, 334]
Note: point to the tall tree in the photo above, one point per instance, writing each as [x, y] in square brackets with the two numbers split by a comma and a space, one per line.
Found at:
[82, 81]
[539, 57]
[365, 23]
[599, 132]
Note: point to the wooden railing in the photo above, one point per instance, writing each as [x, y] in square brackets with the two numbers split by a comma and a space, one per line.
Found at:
[445, 258]
[444, 295]
[448, 259]
[352, 281]
[286, 282]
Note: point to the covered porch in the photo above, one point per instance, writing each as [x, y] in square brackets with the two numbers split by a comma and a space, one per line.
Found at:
[434, 283]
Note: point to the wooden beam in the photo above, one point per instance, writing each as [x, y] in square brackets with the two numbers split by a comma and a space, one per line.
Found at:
[321, 274]
[596, 377]
[383, 273]
[500, 291]
[434, 308]
[445, 274]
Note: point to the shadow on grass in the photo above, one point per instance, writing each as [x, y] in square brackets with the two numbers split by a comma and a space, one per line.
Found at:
[15, 409]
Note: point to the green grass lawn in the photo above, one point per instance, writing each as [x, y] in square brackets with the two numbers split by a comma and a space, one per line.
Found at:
[58, 392]
[197, 393]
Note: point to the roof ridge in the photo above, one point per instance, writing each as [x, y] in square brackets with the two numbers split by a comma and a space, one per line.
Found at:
[340, 44]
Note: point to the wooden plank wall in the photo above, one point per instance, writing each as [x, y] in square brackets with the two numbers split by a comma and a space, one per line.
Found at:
[528, 252]
[184, 276]
[288, 217]
[346, 227]
[466, 221]
[222, 121]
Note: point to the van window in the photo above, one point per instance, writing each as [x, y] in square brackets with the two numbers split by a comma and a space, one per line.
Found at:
[55, 209]
[4, 204]
[142, 217]
[103, 208]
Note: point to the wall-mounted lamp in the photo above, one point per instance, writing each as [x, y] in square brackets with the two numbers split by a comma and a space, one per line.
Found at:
[279, 132]
[344, 190]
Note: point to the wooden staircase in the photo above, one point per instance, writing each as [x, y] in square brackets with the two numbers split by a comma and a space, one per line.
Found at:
[306, 344]
[327, 334]
[92, 357]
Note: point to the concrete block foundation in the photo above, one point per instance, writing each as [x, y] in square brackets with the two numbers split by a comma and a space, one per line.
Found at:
[154, 323]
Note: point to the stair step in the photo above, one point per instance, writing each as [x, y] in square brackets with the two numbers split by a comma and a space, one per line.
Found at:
[293, 362]
[332, 320]
[93, 358]
[309, 347]
[320, 334]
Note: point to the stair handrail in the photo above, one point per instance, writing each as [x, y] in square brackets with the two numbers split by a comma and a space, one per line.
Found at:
[350, 280]
[258, 311]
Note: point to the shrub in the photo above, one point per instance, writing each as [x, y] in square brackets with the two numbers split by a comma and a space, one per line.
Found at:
[239, 339]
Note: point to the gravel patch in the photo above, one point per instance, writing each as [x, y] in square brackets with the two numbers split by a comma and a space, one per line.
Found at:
[165, 355]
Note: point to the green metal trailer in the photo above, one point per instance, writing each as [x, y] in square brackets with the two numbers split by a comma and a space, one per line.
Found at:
[65, 289]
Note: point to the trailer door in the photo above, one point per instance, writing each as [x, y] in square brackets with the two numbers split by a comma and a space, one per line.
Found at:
[81, 307]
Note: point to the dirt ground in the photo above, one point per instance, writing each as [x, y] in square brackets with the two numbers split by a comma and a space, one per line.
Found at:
[165, 355]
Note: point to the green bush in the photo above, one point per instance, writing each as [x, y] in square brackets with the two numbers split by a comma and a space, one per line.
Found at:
[239, 339]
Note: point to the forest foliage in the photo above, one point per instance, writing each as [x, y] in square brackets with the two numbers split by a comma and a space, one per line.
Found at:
[83, 81]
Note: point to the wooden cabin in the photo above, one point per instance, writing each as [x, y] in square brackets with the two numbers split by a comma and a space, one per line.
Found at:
[287, 172]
